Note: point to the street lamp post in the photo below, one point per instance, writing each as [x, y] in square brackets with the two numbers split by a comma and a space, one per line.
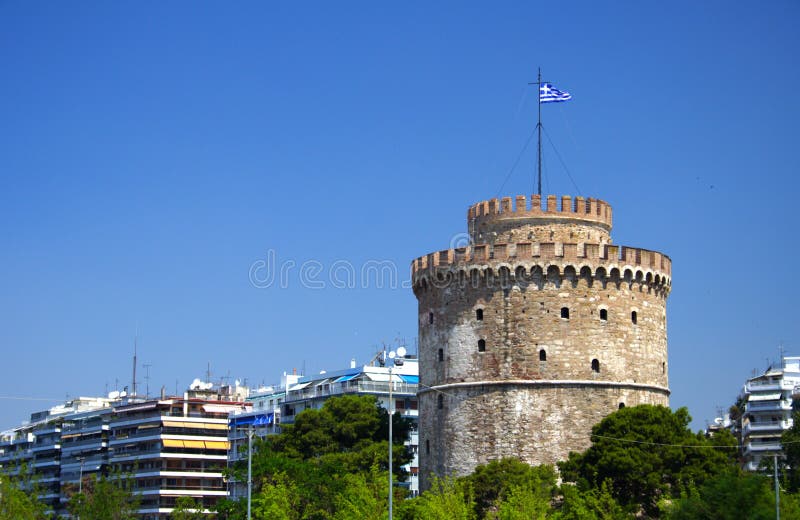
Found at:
[395, 358]
[249, 467]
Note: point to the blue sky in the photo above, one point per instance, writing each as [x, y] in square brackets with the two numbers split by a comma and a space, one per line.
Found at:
[152, 153]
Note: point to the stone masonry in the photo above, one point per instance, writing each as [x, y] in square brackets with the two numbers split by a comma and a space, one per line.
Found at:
[534, 333]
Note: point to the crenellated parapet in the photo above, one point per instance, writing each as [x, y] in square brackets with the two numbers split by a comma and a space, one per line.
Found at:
[588, 210]
[604, 261]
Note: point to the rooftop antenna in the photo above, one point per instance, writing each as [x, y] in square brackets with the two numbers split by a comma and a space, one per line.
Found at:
[135, 346]
[208, 372]
[147, 379]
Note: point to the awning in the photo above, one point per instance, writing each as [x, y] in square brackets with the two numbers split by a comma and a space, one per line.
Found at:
[136, 407]
[199, 425]
[764, 397]
[412, 380]
[221, 408]
[194, 444]
[347, 378]
[299, 387]
[383, 377]
[217, 445]
[254, 420]
[172, 443]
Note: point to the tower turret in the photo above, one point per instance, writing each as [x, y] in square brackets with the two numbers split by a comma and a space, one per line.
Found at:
[534, 333]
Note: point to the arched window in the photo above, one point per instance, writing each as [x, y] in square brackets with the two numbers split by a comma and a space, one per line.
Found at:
[565, 312]
[479, 314]
[595, 366]
[621, 406]
[440, 401]
[542, 355]
[604, 314]
[481, 345]
[441, 354]
[430, 318]
[633, 317]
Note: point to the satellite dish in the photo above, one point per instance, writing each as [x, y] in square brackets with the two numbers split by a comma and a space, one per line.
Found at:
[392, 355]
[401, 352]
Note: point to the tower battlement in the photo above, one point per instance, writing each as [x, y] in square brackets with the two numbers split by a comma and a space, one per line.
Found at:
[590, 210]
[563, 219]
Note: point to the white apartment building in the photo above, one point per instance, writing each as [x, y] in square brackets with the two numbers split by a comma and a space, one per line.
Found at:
[768, 411]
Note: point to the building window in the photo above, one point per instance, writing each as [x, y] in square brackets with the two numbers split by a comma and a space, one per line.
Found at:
[633, 317]
[481, 345]
[542, 355]
[604, 314]
[565, 312]
[440, 401]
[479, 314]
[427, 447]
[663, 367]
[430, 318]
[441, 354]
[595, 366]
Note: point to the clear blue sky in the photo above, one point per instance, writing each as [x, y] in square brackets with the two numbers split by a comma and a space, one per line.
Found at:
[152, 152]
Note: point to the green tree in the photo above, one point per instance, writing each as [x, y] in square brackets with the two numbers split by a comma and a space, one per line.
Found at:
[493, 482]
[321, 448]
[648, 453]
[791, 448]
[18, 498]
[732, 495]
[364, 496]
[592, 504]
[447, 499]
[105, 498]
[187, 508]
[524, 502]
[276, 500]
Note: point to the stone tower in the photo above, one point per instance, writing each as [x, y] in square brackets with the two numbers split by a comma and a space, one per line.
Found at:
[534, 333]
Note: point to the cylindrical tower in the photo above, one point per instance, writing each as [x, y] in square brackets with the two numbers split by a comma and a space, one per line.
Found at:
[534, 333]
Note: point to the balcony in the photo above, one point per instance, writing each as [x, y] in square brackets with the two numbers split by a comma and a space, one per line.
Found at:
[783, 405]
[765, 427]
[351, 387]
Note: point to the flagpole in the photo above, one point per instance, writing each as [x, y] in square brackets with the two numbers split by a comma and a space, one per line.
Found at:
[539, 128]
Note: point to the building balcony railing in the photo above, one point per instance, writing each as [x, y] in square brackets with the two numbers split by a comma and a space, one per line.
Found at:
[351, 387]
[782, 404]
[765, 447]
[760, 427]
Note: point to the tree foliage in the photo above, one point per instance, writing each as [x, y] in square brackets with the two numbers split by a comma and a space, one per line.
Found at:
[732, 495]
[328, 459]
[187, 508]
[105, 498]
[648, 453]
[18, 497]
[492, 483]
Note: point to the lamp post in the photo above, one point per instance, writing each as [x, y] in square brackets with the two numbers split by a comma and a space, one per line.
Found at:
[395, 358]
[249, 467]
[80, 475]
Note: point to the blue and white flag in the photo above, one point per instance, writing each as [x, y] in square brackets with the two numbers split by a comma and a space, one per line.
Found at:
[548, 94]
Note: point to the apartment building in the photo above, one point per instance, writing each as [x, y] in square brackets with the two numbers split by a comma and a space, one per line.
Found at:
[767, 411]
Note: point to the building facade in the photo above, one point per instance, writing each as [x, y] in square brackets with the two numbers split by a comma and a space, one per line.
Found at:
[534, 332]
[767, 411]
[169, 447]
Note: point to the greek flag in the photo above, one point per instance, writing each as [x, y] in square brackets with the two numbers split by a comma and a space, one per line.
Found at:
[548, 94]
